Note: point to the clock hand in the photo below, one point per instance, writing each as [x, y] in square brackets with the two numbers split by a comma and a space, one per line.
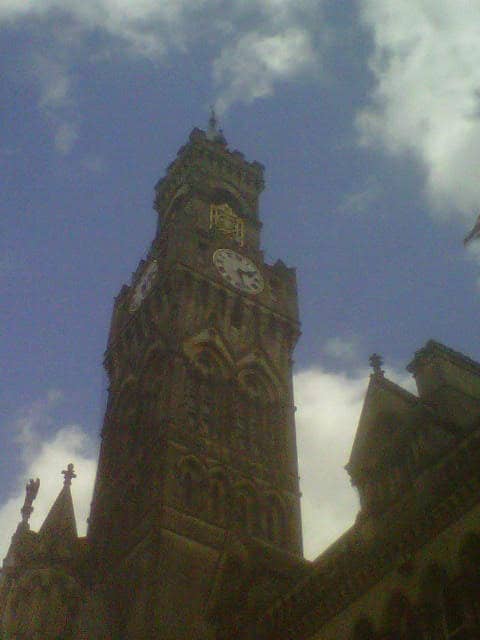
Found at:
[242, 272]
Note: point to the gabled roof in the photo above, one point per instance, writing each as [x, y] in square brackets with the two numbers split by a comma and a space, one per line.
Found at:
[387, 398]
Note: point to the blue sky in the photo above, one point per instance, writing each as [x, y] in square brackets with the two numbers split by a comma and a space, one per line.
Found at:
[366, 117]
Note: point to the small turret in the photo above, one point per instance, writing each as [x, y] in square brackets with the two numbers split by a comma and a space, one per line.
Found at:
[449, 382]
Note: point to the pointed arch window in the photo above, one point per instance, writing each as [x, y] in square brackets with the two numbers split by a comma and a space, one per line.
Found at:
[402, 619]
[191, 476]
[255, 417]
[247, 510]
[217, 498]
[275, 520]
[242, 511]
[206, 394]
[154, 382]
[445, 619]
[188, 482]
[469, 558]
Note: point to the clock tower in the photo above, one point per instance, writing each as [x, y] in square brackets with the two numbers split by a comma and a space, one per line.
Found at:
[198, 450]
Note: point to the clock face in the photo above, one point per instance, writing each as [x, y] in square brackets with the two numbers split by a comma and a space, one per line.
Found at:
[238, 270]
[144, 285]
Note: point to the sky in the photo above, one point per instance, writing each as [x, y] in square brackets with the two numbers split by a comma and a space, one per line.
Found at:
[366, 116]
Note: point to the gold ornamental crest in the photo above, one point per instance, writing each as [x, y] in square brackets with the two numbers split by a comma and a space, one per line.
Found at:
[223, 219]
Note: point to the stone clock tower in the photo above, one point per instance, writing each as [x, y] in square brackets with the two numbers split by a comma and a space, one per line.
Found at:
[194, 532]
[197, 494]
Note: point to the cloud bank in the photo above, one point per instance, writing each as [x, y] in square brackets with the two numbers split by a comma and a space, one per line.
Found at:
[254, 45]
[328, 408]
[426, 67]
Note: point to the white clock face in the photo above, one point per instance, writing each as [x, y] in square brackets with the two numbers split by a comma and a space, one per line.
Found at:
[144, 285]
[238, 270]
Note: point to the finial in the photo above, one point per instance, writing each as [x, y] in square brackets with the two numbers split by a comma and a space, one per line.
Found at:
[376, 362]
[213, 132]
[31, 491]
[212, 122]
[69, 474]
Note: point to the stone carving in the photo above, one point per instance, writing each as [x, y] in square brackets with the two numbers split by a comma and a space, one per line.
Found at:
[68, 475]
[31, 491]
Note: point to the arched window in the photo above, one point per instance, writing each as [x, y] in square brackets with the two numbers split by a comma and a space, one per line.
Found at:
[469, 558]
[217, 497]
[237, 313]
[188, 484]
[444, 615]
[242, 511]
[222, 196]
[191, 477]
[155, 390]
[176, 208]
[199, 395]
[206, 392]
[203, 293]
[247, 512]
[256, 415]
[275, 519]
[126, 416]
[402, 620]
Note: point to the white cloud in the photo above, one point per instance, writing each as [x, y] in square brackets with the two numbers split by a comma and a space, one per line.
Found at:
[45, 458]
[473, 254]
[255, 44]
[94, 164]
[328, 408]
[363, 199]
[426, 65]
[346, 349]
[250, 67]
[65, 137]
[53, 79]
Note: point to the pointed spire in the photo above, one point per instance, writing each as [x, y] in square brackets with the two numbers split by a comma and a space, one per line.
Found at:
[60, 521]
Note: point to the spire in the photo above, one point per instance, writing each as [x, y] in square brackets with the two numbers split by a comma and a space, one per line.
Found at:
[60, 521]
[213, 132]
